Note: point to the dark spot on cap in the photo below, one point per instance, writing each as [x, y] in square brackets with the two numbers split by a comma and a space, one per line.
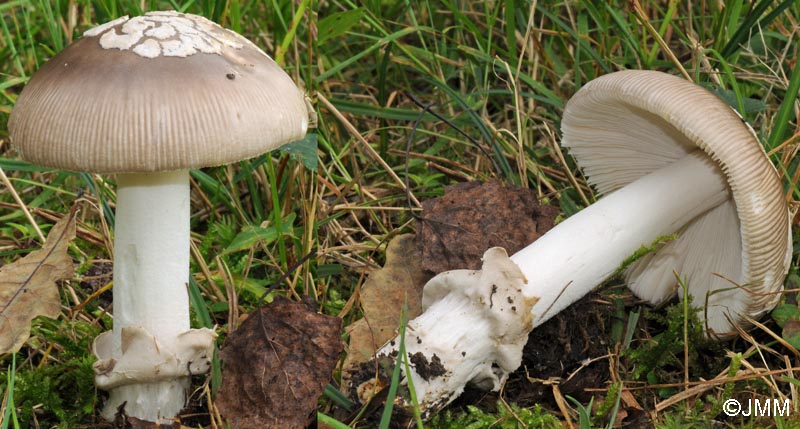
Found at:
[231, 76]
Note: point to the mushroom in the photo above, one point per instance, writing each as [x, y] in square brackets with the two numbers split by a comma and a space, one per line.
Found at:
[671, 158]
[147, 98]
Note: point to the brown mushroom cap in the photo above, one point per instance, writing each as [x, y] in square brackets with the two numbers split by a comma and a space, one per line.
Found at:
[176, 91]
[624, 125]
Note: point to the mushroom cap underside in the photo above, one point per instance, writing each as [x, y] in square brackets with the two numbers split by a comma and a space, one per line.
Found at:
[110, 110]
[734, 257]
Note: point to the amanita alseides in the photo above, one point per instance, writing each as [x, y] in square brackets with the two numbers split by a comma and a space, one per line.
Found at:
[148, 98]
[671, 158]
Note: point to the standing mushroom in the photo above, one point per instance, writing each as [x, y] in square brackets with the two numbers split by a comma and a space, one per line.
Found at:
[148, 98]
[671, 158]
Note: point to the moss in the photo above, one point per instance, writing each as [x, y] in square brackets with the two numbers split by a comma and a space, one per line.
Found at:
[505, 418]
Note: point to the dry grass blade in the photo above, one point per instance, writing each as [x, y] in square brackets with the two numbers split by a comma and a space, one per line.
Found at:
[21, 204]
[642, 17]
[372, 153]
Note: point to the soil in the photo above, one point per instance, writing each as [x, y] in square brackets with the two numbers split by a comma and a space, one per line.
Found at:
[97, 276]
[559, 347]
[562, 351]
[427, 369]
[555, 353]
[455, 229]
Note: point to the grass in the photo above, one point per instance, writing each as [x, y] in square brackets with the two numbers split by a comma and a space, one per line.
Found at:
[457, 90]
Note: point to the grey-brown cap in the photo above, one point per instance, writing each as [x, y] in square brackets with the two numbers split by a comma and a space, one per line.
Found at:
[162, 91]
[734, 258]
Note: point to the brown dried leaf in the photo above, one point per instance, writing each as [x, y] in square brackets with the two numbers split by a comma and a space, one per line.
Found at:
[276, 365]
[382, 299]
[458, 227]
[28, 289]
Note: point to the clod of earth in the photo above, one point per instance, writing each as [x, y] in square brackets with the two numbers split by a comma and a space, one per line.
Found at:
[672, 158]
[454, 230]
[148, 98]
[276, 365]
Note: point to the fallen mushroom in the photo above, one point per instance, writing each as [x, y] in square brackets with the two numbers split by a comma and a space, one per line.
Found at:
[148, 98]
[670, 157]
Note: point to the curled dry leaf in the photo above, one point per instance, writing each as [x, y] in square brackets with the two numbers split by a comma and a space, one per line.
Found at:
[276, 365]
[27, 286]
[382, 298]
[458, 227]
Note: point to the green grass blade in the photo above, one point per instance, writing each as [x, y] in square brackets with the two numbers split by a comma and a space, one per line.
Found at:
[336, 24]
[338, 397]
[199, 305]
[10, 414]
[219, 192]
[740, 107]
[204, 318]
[52, 20]
[277, 219]
[13, 49]
[786, 111]
[355, 58]
[368, 110]
[289, 37]
[662, 30]
[216, 372]
[413, 394]
[19, 165]
[597, 58]
[386, 417]
[511, 28]
[330, 421]
[12, 4]
[751, 24]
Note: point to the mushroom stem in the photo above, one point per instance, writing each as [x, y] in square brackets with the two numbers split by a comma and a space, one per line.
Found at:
[573, 258]
[151, 268]
[476, 323]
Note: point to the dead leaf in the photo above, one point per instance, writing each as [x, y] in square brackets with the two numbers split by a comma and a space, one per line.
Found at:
[276, 365]
[458, 227]
[382, 298]
[27, 286]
